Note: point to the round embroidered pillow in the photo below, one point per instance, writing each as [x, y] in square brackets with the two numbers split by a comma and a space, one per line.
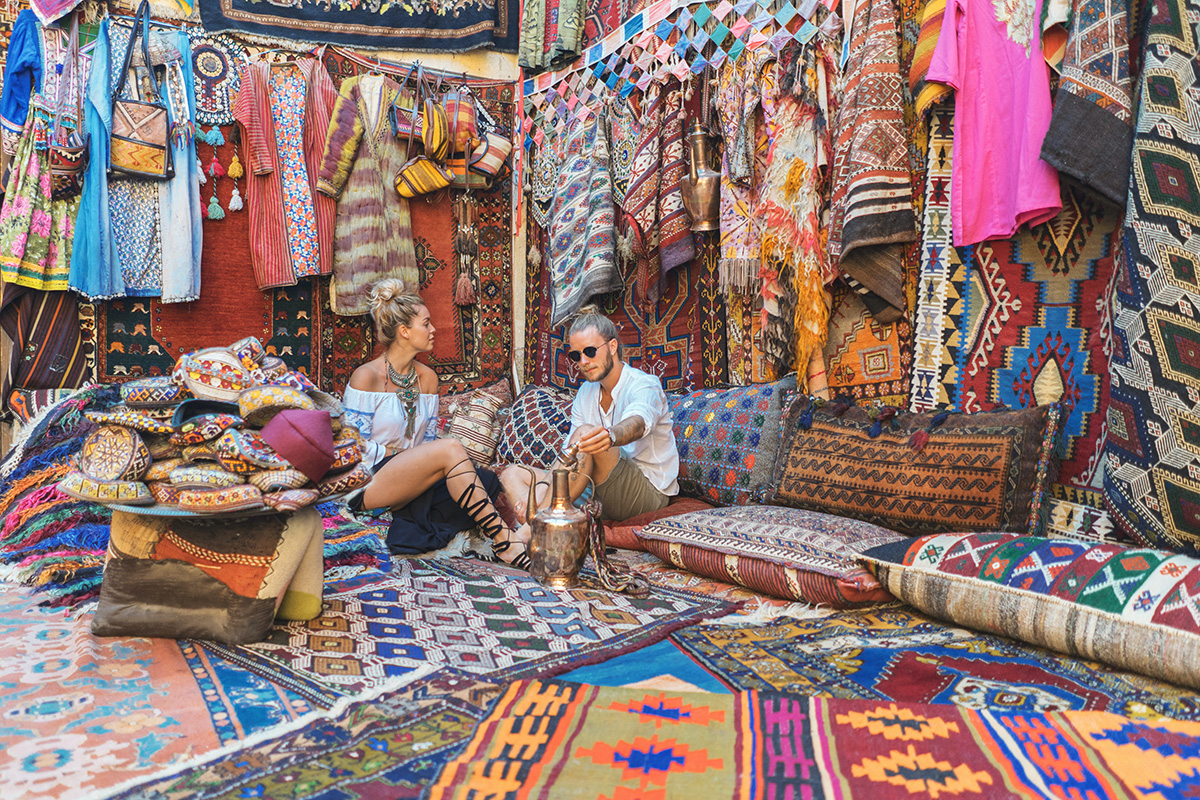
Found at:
[113, 453]
[259, 405]
[214, 373]
[278, 480]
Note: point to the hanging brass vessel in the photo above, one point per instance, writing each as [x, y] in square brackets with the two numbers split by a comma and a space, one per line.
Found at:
[702, 185]
[558, 540]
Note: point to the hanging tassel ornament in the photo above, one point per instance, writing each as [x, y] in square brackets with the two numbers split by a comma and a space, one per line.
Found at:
[215, 137]
[214, 210]
[467, 246]
[235, 171]
[214, 167]
[200, 171]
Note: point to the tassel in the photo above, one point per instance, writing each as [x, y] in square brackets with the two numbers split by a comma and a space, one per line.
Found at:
[919, 440]
[534, 257]
[235, 200]
[214, 208]
[204, 211]
[235, 170]
[464, 290]
[876, 429]
[807, 417]
[938, 419]
[214, 167]
[200, 171]
[215, 137]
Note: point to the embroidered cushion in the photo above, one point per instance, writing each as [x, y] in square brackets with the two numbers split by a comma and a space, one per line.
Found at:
[535, 430]
[785, 552]
[623, 533]
[728, 440]
[219, 580]
[452, 401]
[1135, 609]
[921, 473]
[474, 425]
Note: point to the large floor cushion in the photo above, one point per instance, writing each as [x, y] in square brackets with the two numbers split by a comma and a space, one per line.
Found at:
[728, 440]
[919, 474]
[785, 552]
[623, 534]
[535, 429]
[1136, 609]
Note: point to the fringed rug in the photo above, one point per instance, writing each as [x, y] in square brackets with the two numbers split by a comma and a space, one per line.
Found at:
[554, 739]
[82, 714]
[472, 616]
[897, 654]
[388, 745]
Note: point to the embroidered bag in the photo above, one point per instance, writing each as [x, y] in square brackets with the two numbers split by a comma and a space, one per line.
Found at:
[421, 174]
[491, 155]
[140, 144]
[464, 118]
[462, 175]
[68, 162]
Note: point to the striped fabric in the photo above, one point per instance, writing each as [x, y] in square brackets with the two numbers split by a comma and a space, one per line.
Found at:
[47, 347]
[926, 93]
[269, 248]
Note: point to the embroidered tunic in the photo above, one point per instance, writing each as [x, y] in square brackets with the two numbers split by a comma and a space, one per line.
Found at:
[373, 232]
[270, 250]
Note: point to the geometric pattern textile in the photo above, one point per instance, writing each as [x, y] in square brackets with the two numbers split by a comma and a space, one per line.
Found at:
[536, 427]
[1136, 609]
[920, 473]
[728, 440]
[896, 653]
[785, 552]
[461, 614]
[390, 744]
[551, 738]
[1152, 480]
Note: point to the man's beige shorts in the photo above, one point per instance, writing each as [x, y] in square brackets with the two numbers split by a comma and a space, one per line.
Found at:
[627, 492]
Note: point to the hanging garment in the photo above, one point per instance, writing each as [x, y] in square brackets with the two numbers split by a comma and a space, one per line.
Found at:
[373, 236]
[990, 52]
[654, 217]
[276, 148]
[552, 34]
[582, 234]
[47, 345]
[872, 183]
[139, 237]
[924, 92]
[36, 231]
[1091, 132]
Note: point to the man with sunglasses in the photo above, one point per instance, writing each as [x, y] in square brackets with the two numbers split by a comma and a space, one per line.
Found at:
[621, 423]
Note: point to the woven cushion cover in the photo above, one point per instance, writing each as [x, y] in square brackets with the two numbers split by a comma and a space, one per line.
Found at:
[728, 440]
[976, 472]
[223, 581]
[786, 552]
[540, 420]
[623, 533]
[1136, 609]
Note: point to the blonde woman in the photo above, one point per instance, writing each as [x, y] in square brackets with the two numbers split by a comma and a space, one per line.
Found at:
[392, 399]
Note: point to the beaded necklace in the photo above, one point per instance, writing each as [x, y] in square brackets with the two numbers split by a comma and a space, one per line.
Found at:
[407, 391]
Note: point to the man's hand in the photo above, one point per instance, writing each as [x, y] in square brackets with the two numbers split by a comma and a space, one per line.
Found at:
[593, 440]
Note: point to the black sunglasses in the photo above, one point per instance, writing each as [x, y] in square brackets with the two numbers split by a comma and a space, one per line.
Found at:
[590, 352]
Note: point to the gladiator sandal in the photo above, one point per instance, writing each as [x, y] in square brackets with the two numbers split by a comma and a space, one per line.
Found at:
[489, 522]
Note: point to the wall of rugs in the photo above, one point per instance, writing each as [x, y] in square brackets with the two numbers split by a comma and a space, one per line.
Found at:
[1010, 322]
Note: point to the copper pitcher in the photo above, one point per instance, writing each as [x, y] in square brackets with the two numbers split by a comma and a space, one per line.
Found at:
[558, 542]
[702, 186]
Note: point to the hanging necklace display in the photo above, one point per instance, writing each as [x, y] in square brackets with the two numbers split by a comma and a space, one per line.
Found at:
[407, 391]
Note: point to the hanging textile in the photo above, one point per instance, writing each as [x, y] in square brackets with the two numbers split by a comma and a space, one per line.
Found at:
[120, 246]
[999, 180]
[552, 34]
[1153, 430]
[36, 231]
[659, 234]
[47, 345]
[872, 183]
[582, 236]
[284, 119]
[1091, 132]
[926, 93]
[373, 236]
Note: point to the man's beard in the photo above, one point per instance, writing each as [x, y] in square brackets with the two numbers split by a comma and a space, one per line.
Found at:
[608, 367]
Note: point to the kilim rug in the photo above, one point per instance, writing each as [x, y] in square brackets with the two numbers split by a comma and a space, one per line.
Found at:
[659, 666]
[462, 614]
[869, 361]
[897, 654]
[668, 341]
[1153, 431]
[81, 714]
[554, 739]
[384, 746]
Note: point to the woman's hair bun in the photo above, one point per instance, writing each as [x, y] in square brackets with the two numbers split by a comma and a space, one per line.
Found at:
[386, 290]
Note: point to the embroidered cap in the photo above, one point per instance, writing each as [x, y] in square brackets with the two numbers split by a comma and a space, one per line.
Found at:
[304, 437]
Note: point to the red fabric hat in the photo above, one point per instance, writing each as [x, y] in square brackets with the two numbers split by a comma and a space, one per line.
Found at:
[304, 437]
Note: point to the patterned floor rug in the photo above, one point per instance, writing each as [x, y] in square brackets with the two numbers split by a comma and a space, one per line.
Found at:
[659, 666]
[894, 653]
[458, 613]
[81, 714]
[387, 745]
[554, 739]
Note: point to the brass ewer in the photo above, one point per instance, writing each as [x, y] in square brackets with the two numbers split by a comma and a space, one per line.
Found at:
[558, 542]
[702, 185]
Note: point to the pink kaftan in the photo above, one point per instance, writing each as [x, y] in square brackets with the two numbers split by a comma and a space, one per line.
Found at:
[991, 55]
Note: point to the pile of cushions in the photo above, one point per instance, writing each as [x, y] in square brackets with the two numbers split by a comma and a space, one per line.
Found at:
[232, 430]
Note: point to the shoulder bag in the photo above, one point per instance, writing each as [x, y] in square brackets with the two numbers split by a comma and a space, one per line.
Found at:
[422, 174]
[68, 162]
[140, 144]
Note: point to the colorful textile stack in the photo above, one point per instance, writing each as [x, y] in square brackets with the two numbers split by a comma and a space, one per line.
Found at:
[183, 443]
